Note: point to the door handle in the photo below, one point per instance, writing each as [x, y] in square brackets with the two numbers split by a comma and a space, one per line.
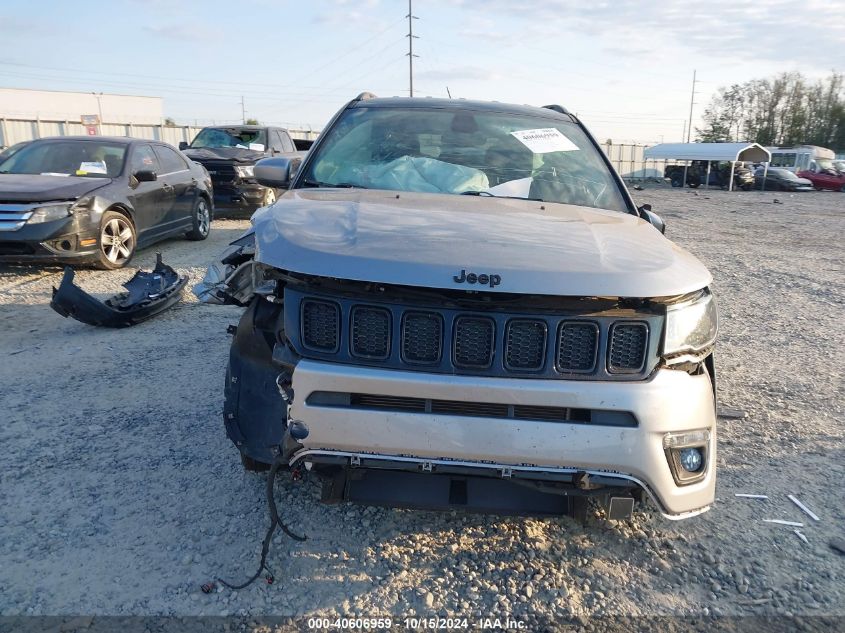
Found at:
[167, 188]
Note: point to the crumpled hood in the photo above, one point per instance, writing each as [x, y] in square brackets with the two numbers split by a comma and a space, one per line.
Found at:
[426, 240]
[36, 188]
[235, 154]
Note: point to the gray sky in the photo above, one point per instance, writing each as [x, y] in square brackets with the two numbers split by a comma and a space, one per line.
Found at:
[624, 67]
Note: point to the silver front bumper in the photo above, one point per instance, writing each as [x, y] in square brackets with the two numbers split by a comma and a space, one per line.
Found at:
[671, 401]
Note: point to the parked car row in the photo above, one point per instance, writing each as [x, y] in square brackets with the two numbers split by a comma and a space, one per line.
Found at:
[95, 200]
[823, 174]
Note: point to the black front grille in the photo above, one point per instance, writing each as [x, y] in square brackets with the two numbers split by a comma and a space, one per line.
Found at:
[422, 337]
[577, 346]
[474, 341]
[222, 173]
[370, 337]
[627, 347]
[525, 345]
[320, 325]
[458, 341]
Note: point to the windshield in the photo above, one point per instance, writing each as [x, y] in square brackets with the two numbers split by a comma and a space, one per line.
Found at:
[464, 152]
[220, 137]
[90, 159]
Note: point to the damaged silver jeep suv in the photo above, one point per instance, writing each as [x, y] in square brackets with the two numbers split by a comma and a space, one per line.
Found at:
[458, 305]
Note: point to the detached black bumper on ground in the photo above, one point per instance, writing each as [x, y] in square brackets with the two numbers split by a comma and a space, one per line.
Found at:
[147, 294]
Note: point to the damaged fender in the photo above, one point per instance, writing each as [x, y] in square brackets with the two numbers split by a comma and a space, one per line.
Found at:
[147, 294]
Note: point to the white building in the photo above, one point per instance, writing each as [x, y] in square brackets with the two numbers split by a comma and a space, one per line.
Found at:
[56, 105]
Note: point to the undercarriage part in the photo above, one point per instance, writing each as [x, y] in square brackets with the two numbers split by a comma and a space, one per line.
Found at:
[147, 294]
[441, 487]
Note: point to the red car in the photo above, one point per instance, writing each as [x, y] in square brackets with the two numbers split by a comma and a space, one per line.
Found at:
[825, 176]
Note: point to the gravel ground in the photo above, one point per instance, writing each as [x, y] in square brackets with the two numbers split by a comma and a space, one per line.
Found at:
[121, 494]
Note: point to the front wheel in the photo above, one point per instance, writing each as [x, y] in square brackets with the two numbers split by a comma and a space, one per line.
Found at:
[842, 188]
[117, 241]
[201, 218]
[269, 197]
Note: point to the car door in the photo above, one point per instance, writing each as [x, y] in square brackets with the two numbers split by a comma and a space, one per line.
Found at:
[180, 185]
[145, 197]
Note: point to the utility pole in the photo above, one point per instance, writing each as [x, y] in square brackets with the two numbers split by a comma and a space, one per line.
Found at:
[243, 111]
[98, 96]
[691, 103]
[411, 37]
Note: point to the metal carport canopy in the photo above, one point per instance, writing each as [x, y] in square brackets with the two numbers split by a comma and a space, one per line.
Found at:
[751, 152]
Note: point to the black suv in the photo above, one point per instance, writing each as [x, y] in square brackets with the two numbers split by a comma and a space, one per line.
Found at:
[229, 153]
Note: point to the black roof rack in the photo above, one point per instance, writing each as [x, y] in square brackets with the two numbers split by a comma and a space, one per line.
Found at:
[557, 108]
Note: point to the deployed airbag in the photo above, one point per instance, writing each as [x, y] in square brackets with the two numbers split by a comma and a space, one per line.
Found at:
[147, 294]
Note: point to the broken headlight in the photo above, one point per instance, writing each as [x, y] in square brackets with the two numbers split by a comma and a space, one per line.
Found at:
[245, 171]
[49, 212]
[690, 329]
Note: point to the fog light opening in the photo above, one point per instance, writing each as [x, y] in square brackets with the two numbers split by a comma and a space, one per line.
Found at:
[691, 459]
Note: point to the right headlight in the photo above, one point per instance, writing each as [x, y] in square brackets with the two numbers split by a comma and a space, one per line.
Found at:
[691, 327]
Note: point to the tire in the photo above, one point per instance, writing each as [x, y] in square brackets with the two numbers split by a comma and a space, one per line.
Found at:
[252, 466]
[676, 183]
[201, 218]
[269, 197]
[842, 188]
[116, 241]
[694, 185]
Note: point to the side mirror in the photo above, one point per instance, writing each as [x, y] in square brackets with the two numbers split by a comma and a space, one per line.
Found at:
[276, 172]
[652, 218]
[183, 145]
[145, 175]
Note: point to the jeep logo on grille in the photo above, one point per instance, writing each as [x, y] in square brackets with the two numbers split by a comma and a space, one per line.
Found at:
[473, 278]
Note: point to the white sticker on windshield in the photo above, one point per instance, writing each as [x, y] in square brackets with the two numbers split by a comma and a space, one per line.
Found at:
[544, 140]
[53, 173]
[92, 167]
[256, 147]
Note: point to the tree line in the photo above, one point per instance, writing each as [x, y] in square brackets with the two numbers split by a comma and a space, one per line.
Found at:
[787, 109]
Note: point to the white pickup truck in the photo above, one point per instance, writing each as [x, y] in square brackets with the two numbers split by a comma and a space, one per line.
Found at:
[458, 305]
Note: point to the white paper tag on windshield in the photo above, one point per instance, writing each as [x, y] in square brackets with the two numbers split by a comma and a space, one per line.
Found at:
[256, 147]
[544, 140]
[93, 167]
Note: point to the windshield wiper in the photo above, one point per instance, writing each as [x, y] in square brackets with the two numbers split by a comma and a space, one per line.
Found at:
[487, 194]
[331, 185]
